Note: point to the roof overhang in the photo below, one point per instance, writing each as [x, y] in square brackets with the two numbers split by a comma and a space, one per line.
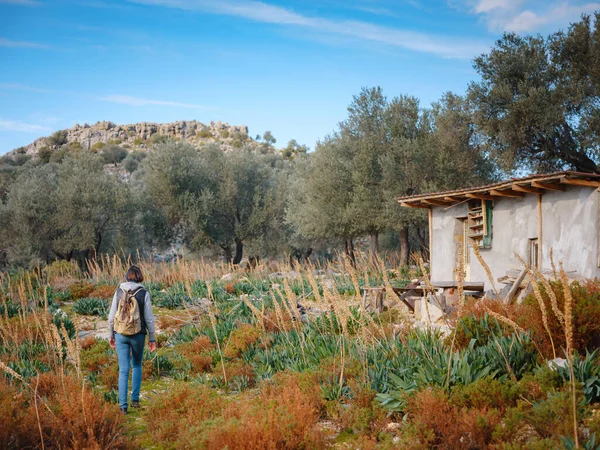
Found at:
[513, 188]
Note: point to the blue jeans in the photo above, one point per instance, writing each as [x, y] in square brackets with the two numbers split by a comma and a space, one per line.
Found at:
[128, 348]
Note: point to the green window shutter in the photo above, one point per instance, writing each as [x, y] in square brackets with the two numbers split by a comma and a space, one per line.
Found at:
[487, 237]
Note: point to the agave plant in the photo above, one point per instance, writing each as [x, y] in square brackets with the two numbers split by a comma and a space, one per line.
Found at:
[91, 306]
[587, 372]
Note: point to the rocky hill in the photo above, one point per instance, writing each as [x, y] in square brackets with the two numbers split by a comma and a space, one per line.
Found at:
[140, 136]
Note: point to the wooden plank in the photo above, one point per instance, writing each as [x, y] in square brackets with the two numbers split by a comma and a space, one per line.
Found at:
[576, 182]
[467, 285]
[548, 186]
[436, 202]
[480, 196]
[506, 193]
[415, 205]
[412, 293]
[515, 287]
[527, 189]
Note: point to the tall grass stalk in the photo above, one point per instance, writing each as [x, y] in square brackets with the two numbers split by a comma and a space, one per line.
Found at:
[570, 351]
[213, 322]
[535, 283]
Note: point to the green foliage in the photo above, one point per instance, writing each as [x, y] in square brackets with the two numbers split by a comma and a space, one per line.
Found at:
[58, 155]
[57, 139]
[534, 100]
[114, 141]
[225, 198]
[112, 154]
[224, 134]
[204, 134]
[97, 146]
[44, 154]
[91, 307]
[236, 143]
[138, 141]
[587, 372]
[269, 138]
[157, 139]
[130, 164]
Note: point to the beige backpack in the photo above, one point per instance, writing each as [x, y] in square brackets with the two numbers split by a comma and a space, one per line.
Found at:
[128, 320]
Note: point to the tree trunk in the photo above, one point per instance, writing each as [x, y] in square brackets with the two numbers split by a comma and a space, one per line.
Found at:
[424, 244]
[228, 253]
[306, 255]
[98, 244]
[349, 251]
[239, 251]
[404, 246]
[374, 244]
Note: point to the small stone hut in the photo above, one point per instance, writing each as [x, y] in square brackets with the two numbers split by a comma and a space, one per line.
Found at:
[528, 216]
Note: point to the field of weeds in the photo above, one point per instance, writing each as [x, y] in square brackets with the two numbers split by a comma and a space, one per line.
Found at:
[240, 366]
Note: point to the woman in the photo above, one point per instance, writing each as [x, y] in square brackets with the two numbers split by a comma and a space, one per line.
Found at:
[131, 347]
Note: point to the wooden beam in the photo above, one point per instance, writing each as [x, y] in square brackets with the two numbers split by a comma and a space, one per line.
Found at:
[415, 205]
[506, 193]
[436, 202]
[548, 186]
[577, 182]
[452, 199]
[480, 196]
[527, 189]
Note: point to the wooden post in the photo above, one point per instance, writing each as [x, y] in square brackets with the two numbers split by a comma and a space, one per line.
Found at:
[373, 298]
[539, 214]
[430, 217]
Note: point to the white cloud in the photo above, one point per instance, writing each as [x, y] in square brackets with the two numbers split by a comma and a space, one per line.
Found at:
[489, 5]
[528, 20]
[20, 44]
[444, 46]
[15, 125]
[22, 87]
[21, 2]
[136, 101]
[527, 16]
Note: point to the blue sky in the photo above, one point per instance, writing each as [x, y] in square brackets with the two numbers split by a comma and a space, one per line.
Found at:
[290, 66]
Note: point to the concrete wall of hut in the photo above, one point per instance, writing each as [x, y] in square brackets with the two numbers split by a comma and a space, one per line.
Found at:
[570, 226]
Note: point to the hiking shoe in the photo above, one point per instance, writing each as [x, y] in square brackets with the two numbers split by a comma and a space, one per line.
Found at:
[123, 411]
[135, 404]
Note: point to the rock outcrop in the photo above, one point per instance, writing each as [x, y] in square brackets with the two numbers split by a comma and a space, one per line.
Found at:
[142, 135]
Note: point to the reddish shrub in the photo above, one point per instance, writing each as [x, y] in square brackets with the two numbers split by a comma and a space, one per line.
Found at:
[240, 339]
[177, 416]
[282, 417]
[229, 288]
[103, 291]
[80, 290]
[69, 417]
[586, 318]
[445, 426]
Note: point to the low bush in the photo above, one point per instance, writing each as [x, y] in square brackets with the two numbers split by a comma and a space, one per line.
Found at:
[204, 134]
[91, 306]
[64, 416]
[106, 291]
[80, 290]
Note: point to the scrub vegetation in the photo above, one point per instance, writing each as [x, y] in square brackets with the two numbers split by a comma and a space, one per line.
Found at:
[239, 365]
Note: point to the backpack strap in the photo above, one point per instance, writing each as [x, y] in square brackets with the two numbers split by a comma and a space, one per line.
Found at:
[140, 297]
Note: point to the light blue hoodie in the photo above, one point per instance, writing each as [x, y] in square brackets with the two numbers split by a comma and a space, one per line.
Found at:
[148, 316]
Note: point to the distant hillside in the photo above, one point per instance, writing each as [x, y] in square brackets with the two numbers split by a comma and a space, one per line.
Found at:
[140, 136]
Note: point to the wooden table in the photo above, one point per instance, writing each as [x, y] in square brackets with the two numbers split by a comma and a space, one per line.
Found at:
[373, 297]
